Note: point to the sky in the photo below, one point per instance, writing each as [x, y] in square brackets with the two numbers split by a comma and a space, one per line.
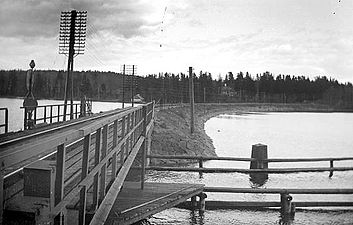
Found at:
[297, 37]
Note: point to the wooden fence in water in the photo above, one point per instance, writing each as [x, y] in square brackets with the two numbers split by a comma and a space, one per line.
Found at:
[202, 169]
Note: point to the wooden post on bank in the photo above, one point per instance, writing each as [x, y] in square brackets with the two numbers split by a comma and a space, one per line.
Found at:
[192, 102]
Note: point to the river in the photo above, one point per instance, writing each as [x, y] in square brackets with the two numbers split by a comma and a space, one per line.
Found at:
[287, 135]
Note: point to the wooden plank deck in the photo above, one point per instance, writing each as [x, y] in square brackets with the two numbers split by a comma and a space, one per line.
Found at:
[134, 204]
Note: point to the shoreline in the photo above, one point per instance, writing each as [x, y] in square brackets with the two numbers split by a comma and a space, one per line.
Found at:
[171, 134]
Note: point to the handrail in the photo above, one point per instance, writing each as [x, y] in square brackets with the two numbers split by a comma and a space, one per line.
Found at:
[52, 113]
[6, 119]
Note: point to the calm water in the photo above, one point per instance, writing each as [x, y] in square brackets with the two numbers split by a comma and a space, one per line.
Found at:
[16, 114]
[287, 135]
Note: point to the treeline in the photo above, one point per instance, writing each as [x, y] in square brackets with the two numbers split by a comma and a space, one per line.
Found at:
[173, 88]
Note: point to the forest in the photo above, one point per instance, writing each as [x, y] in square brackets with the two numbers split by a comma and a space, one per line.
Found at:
[174, 88]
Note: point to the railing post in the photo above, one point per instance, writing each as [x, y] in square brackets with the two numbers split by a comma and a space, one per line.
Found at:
[59, 179]
[128, 142]
[114, 161]
[35, 116]
[45, 114]
[144, 145]
[59, 113]
[96, 162]
[1, 193]
[104, 167]
[6, 120]
[122, 149]
[331, 167]
[51, 114]
[83, 192]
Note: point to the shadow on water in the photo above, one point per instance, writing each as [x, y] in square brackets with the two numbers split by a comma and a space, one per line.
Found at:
[258, 179]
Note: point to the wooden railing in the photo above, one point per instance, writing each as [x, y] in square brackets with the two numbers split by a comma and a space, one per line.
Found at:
[202, 169]
[48, 114]
[82, 159]
[6, 120]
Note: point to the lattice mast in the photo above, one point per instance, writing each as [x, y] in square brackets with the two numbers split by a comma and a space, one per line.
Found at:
[71, 43]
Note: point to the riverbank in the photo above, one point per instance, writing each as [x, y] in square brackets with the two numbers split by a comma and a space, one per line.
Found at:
[171, 134]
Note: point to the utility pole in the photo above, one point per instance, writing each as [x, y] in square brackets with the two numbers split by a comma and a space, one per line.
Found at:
[204, 95]
[71, 42]
[192, 102]
[123, 85]
[132, 85]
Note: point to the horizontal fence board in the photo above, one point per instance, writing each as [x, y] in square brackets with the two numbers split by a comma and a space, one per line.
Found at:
[212, 205]
[279, 190]
[248, 159]
[237, 170]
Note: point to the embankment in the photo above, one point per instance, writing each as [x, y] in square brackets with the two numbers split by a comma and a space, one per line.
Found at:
[171, 135]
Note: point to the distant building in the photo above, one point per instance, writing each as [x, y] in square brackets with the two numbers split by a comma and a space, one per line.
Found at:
[139, 99]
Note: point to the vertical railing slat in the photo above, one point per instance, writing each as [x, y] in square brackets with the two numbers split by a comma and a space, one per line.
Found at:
[96, 162]
[144, 145]
[104, 167]
[1, 194]
[83, 192]
[59, 175]
[51, 114]
[45, 114]
[115, 140]
[123, 144]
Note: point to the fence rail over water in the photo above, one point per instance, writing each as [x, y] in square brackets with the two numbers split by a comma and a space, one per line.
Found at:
[202, 169]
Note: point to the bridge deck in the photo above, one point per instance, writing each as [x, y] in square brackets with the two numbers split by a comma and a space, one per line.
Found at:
[134, 204]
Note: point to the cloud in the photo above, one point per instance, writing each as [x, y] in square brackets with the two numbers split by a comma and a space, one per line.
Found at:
[41, 18]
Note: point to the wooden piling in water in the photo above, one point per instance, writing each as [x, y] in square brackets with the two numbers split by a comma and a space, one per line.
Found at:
[259, 152]
[202, 197]
[331, 166]
[287, 207]
[200, 166]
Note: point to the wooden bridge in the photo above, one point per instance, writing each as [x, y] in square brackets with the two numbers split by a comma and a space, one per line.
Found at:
[91, 170]
[76, 172]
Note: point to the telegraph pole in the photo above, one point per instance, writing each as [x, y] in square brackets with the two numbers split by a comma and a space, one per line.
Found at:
[71, 42]
[132, 85]
[123, 85]
[192, 103]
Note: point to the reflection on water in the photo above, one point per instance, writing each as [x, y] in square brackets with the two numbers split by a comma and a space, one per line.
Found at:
[258, 179]
[288, 135]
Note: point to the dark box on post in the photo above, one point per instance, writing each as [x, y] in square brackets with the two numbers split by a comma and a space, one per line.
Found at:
[39, 179]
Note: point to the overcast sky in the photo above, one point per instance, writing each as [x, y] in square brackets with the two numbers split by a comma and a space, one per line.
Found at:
[297, 37]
